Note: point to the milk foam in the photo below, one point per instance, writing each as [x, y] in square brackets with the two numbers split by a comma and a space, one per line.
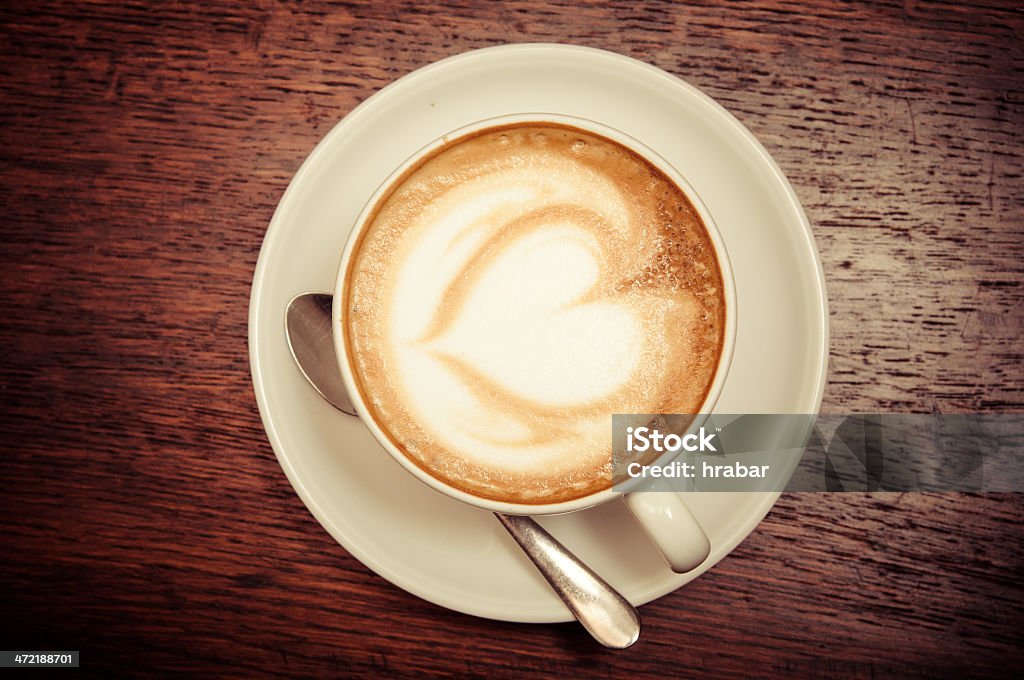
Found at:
[516, 291]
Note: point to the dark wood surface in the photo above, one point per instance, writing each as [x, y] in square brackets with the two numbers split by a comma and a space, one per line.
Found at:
[145, 520]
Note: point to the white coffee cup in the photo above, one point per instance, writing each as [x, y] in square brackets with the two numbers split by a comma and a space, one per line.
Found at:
[663, 514]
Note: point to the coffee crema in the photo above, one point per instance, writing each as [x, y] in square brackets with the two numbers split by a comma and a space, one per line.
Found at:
[516, 288]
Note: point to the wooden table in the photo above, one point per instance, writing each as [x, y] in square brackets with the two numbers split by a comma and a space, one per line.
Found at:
[143, 148]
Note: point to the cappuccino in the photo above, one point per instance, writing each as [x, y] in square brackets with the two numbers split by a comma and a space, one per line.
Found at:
[514, 289]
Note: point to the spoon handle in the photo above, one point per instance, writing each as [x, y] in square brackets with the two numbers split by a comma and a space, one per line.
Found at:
[606, 614]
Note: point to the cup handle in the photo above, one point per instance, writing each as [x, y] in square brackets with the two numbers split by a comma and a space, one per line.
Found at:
[672, 527]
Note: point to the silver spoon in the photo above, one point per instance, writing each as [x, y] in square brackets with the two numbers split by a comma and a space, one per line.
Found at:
[606, 614]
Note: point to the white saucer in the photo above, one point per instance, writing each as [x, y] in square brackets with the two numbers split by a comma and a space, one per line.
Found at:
[455, 555]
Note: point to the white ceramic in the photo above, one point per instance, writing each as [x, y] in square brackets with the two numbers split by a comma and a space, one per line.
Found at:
[663, 515]
[433, 546]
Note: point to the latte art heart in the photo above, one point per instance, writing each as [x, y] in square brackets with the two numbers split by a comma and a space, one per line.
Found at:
[514, 291]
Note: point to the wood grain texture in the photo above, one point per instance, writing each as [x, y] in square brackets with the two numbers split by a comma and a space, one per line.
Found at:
[143, 149]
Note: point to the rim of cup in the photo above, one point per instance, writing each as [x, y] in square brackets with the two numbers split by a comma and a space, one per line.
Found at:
[360, 224]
